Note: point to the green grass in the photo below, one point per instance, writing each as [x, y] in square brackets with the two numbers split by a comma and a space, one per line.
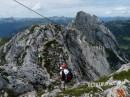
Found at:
[79, 91]
[103, 79]
[50, 55]
[3, 41]
[40, 92]
[122, 75]
[2, 57]
[33, 28]
[124, 44]
[125, 47]
[126, 38]
[82, 90]
[11, 93]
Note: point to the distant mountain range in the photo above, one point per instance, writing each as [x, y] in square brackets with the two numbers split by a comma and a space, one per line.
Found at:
[10, 26]
[108, 19]
[121, 29]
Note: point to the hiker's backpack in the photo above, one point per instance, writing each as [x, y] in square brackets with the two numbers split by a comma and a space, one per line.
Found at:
[69, 76]
[66, 76]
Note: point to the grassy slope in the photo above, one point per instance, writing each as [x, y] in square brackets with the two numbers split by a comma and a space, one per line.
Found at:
[76, 92]
[123, 75]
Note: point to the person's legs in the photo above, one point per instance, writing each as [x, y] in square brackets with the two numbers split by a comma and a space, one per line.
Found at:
[63, 85]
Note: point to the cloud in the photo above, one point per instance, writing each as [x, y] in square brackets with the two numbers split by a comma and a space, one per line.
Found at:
[37, 6]
[65, 7]
[108, 12]
[118, 11]
[122, 8]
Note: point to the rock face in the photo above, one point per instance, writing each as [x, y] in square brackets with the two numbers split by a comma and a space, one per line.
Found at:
[93, 31]
[2, 83]
[30, 59]
[98, 46]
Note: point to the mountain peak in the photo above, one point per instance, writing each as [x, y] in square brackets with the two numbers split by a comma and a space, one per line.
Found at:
[86, 17]
[82, 13]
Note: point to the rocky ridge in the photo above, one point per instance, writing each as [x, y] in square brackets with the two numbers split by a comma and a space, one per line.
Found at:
[29, 61]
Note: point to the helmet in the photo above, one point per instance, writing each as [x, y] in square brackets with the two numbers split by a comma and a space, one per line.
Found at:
[64, 66]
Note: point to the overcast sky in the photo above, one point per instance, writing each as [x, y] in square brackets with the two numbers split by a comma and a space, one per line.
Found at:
[9, 8]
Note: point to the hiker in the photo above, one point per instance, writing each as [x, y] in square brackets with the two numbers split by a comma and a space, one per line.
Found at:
[65, 75]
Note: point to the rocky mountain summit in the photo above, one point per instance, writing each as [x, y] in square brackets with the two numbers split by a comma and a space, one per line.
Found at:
[30, 60]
